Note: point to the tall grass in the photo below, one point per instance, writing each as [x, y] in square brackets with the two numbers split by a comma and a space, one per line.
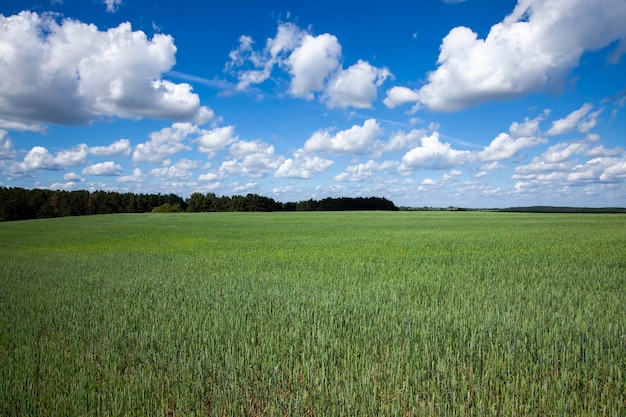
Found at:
[430, 313]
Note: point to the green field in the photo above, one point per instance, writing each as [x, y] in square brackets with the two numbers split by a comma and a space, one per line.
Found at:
[326, 314]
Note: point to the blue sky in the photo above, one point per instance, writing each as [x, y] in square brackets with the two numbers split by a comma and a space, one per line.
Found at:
[476, 103]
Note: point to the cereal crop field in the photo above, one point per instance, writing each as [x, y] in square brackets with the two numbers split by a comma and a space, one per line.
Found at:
[308, 313]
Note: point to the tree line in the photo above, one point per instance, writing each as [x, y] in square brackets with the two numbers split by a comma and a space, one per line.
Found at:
[22, 204]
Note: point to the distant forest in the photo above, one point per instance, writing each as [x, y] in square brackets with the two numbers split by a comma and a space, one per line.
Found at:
[556, 209]
[21, 204]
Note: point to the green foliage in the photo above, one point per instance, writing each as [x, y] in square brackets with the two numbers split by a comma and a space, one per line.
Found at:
[371, 313]
[22, 204]
[168, 208]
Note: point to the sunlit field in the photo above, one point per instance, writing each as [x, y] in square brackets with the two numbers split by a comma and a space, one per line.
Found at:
[326, 314]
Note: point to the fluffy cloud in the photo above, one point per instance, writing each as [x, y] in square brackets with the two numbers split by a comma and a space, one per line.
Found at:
[355, 140]
[402, 140]
[313, 64]
[566, 164]
[6, 146]
[302, 165]
[73, 73]
[531, 50]
[360, 172]
[558, 157]
[356, 86]
[39, 158]
[211, 141]
[112, 5]
[119, 147]
[104, 168]
[253, 159]
[520, 137]
[135, 177]
[579, 119]
[397, 96]
[434, 154]
[165, 143]
[181, 170]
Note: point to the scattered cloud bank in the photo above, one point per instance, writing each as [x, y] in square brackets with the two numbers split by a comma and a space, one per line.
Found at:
[313, 64]
[393, 159]
[531, 50]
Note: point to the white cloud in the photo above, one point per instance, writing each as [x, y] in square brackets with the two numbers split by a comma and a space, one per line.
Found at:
[112, 5]
[531, 50]
[181, 170]
[506, 145]
[244, 148]
[6, 146]
[402, 140]
[360, 172]
[434, 154]
[39, 158]
[444, 180]
[211, 141]
[561, 165]
[356, 86]
[396, 96]
[210, 177]
[103, 168]
[119, 147]
[556, 158]
[136, 176]
[72, 176]
[253, 159]
[355, 140]
[302, 165]
[314, 65]
[72, 73]
[615, 171]
[73, 156]
[165, 143]
[579, 119]
[288, 37]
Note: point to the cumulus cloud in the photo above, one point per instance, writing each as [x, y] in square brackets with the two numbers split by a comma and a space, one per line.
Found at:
[566, 164]
[72, 176]
[506, 145]
[397, 96]
[558, 157]
[253, 159]
[211, 141]
[311, 64]
[580, 119]
[355, 140]
[181, 170]
[360, 172]
[72, 73]
[302, 165]
[434, 154]
[165, 143]
[6, 146]
[135, 177]
[103, 168]
[356, 86]
[402, 140]
[314, 64]
[119, 147]
[39, 158]
[531, 50]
